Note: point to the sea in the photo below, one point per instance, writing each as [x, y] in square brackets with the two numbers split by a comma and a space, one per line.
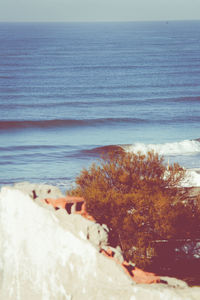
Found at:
[72, 91]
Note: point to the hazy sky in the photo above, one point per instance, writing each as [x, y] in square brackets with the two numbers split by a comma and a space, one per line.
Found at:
[98, 10]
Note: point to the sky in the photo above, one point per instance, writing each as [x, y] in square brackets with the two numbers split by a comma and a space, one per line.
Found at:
[98, 10]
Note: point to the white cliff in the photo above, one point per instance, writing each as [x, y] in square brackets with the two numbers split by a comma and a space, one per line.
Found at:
[46, 255]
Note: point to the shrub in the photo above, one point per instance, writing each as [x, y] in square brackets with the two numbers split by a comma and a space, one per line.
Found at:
[138, 197]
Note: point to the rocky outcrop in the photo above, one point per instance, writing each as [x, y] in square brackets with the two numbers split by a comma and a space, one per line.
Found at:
[49, 254]
[38, 191]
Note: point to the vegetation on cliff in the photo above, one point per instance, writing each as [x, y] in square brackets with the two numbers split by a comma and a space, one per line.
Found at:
[139, 199]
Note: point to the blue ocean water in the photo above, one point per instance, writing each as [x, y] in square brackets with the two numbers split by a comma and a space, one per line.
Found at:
[68, 89]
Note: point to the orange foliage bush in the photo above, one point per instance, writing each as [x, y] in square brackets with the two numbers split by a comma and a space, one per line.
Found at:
[138, 198]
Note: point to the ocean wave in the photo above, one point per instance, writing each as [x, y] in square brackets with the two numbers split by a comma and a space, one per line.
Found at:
[38, 123]
[186, 147]
[83, 102]
[17, 124]
[186, 99]
[102, 150]
[29, 147]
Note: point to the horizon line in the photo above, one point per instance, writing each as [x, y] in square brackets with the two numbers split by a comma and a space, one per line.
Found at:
[103, 21]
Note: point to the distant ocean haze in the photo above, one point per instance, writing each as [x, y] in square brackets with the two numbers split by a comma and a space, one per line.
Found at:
[69, 89]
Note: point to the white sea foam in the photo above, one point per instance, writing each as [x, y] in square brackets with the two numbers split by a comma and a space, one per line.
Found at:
[186, 147]
[192, 179]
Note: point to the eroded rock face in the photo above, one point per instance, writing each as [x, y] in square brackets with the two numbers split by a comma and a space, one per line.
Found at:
[84, 228]
[46, 257]
[38, 191]
[45, 254]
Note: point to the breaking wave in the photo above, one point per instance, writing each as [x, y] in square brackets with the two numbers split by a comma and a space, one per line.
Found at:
[186, 147]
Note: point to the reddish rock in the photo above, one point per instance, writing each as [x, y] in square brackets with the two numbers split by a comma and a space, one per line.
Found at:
[71, 204]
[138, 275]
[77, 205]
